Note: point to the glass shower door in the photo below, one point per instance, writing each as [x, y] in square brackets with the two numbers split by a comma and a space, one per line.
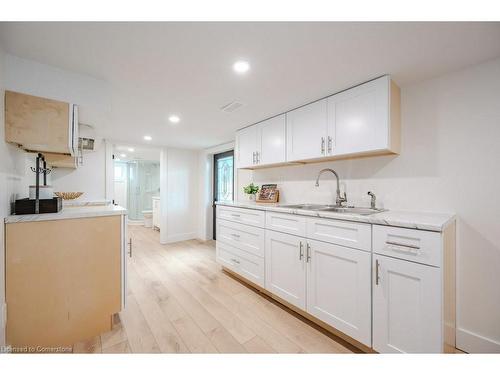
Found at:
[143, 185]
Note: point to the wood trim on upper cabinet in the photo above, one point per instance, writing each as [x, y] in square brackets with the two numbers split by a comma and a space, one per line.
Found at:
[37, 124]
[60, 160]
[395, 118]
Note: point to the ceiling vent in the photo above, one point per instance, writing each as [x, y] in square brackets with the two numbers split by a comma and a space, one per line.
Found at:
[231, 107]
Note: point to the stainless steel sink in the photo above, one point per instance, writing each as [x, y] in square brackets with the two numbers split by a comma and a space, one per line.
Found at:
[354, 210]
[333, 208]
[305, 206]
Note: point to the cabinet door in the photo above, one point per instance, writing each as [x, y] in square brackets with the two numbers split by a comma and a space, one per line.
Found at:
[285, 267]
[246, 147]
[339, 288]
[361, 118]
[38, 124]
[406, 307]
[306, 131]
[271, 141]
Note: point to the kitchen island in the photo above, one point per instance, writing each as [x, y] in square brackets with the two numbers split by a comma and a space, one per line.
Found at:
[65, 275]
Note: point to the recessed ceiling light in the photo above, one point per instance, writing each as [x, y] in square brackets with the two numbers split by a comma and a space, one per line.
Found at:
[130, 149]
[123, 155]
[241, 66]
[174, 119]
[148, 138]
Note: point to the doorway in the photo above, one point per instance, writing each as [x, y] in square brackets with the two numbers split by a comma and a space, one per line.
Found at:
[223, 181]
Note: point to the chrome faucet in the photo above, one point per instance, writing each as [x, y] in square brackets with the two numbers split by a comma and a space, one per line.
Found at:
[373, 201]
[339, 199]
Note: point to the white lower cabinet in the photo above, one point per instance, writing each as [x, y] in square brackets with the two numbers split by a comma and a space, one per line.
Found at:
[406, 307]
[286, 268]
[330, 282]
[247, 265]
[391, 289]
[156, 213]
[339, 288]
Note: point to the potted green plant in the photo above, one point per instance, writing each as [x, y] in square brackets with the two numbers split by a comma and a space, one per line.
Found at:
[251, 190]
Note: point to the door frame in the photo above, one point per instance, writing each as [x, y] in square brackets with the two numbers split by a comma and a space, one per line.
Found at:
[216, 157]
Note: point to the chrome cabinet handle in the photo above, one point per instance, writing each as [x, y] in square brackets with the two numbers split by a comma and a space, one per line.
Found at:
[377, 278]
[308, 253]
[402, 244]
[130, 248]
[257, 157]
[330, 141]
[235, 235]
[235, 261]
[236, 215]
[322, 145]
[301, 251]
[253, 157]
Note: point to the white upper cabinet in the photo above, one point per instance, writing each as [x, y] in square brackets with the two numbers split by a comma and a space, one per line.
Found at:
[261, 144]
[361, 118]
[271, 141]
[246, 146]
[307, 131]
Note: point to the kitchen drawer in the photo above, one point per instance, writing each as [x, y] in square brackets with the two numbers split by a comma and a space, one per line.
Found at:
[245, 264]
[242, 215]
[345, 233]
[415, 245]
[286, 223]
[244, 237]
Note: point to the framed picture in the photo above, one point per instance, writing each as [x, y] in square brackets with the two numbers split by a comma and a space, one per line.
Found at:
[268, 194]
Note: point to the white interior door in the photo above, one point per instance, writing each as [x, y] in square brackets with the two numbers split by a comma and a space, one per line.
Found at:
[339, 288]
[285, 267]
[271, 141]
[306, 131]
[361, 117]
[406, 307]
[246, 147]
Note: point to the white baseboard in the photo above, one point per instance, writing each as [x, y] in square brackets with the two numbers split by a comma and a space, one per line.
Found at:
[473, 343]
[3, 323]
[181, 237]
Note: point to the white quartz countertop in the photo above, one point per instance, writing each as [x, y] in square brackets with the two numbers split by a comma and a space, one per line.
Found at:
[70, 212]
[97, 202]
[436, 222]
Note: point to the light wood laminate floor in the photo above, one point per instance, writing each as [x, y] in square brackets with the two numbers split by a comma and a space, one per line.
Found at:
[180, 301]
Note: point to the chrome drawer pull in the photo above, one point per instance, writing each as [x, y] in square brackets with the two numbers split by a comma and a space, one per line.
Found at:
[402, 244]
[235, 261]
[235, 235]
[236, 215]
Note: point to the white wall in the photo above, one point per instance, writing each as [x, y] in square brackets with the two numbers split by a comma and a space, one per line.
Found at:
[448, 163]
[12, 173]
[179, 200]
[89, 177]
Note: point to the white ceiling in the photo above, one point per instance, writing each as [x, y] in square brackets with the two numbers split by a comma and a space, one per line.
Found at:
[155, 69]
[140, 152]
